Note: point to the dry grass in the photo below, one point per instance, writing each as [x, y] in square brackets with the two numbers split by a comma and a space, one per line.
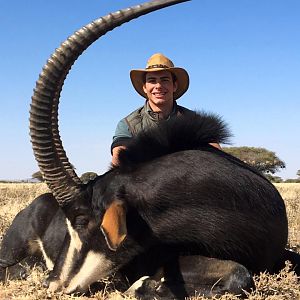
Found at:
[14, 197]
[291, 195]
[283, 286]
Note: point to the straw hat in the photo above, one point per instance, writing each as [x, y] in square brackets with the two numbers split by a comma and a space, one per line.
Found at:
[159, 62]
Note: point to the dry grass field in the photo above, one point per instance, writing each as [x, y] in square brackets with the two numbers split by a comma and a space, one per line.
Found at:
[14, 197]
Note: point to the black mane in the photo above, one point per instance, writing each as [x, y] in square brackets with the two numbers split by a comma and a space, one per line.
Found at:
[183, 133]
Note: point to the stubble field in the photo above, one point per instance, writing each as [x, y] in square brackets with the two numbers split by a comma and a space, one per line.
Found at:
[15, 196]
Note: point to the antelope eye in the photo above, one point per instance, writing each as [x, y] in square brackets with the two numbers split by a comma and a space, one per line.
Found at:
[81, 221]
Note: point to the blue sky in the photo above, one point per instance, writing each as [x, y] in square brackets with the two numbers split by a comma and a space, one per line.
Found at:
[243, 57]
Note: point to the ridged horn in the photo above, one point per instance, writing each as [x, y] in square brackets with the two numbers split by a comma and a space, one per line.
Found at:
[46, 142]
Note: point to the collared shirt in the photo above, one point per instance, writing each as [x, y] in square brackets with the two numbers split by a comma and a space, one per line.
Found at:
[141, 119]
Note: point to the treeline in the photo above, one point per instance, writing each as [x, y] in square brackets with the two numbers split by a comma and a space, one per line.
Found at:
[30, 180]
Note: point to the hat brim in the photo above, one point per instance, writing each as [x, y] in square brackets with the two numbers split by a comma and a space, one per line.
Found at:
[137, 79]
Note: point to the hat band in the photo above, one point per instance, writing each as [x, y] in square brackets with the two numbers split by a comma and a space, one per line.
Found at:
[157, 66]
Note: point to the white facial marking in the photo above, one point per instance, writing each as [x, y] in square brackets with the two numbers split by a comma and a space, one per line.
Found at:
[75, 239]
[48, 261]
[95, 267]
[75, 245]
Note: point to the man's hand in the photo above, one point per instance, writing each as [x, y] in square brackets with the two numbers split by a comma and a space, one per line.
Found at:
[115, 155]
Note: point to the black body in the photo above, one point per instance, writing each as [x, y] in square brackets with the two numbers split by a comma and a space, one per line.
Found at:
[181, 204]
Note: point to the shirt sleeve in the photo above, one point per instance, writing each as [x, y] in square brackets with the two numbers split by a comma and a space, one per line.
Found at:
[122, 135]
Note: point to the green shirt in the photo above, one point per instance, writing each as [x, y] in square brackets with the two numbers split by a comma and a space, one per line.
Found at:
[139, 120]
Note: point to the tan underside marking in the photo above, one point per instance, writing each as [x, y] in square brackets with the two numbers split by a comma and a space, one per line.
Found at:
[34, 247]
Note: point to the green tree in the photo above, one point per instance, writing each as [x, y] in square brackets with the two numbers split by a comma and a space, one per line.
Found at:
[275, 179]
[87, 176]
[262, 159]
[294, 180]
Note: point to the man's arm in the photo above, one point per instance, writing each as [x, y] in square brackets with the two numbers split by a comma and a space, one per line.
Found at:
[115, 154]
[216, 145]
[120, 139]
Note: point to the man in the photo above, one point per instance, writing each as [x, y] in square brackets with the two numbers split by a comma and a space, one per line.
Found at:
[161, 84]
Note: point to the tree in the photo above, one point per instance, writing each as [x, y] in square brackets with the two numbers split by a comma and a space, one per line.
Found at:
[275, 179]
[38, 176]
[292, 180]
[262, 159]
[87, 176]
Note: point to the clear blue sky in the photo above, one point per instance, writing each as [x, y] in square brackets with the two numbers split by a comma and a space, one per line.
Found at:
[243, 57]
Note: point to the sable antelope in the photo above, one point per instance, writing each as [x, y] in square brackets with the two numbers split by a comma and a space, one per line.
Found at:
[174, 202]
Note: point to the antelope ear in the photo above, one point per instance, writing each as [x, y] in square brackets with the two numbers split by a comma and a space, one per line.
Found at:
[114, 224]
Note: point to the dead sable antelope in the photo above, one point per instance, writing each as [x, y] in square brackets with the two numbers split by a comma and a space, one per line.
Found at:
[175, 208]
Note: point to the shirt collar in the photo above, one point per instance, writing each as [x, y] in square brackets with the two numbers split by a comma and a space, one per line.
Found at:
[155, 116]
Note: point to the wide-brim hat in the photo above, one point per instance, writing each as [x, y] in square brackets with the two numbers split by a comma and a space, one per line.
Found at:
[159, 62]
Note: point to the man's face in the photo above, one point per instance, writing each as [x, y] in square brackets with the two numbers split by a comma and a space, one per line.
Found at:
[159, 87]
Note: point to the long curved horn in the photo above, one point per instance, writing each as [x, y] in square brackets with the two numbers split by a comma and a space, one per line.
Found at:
[47, 145]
